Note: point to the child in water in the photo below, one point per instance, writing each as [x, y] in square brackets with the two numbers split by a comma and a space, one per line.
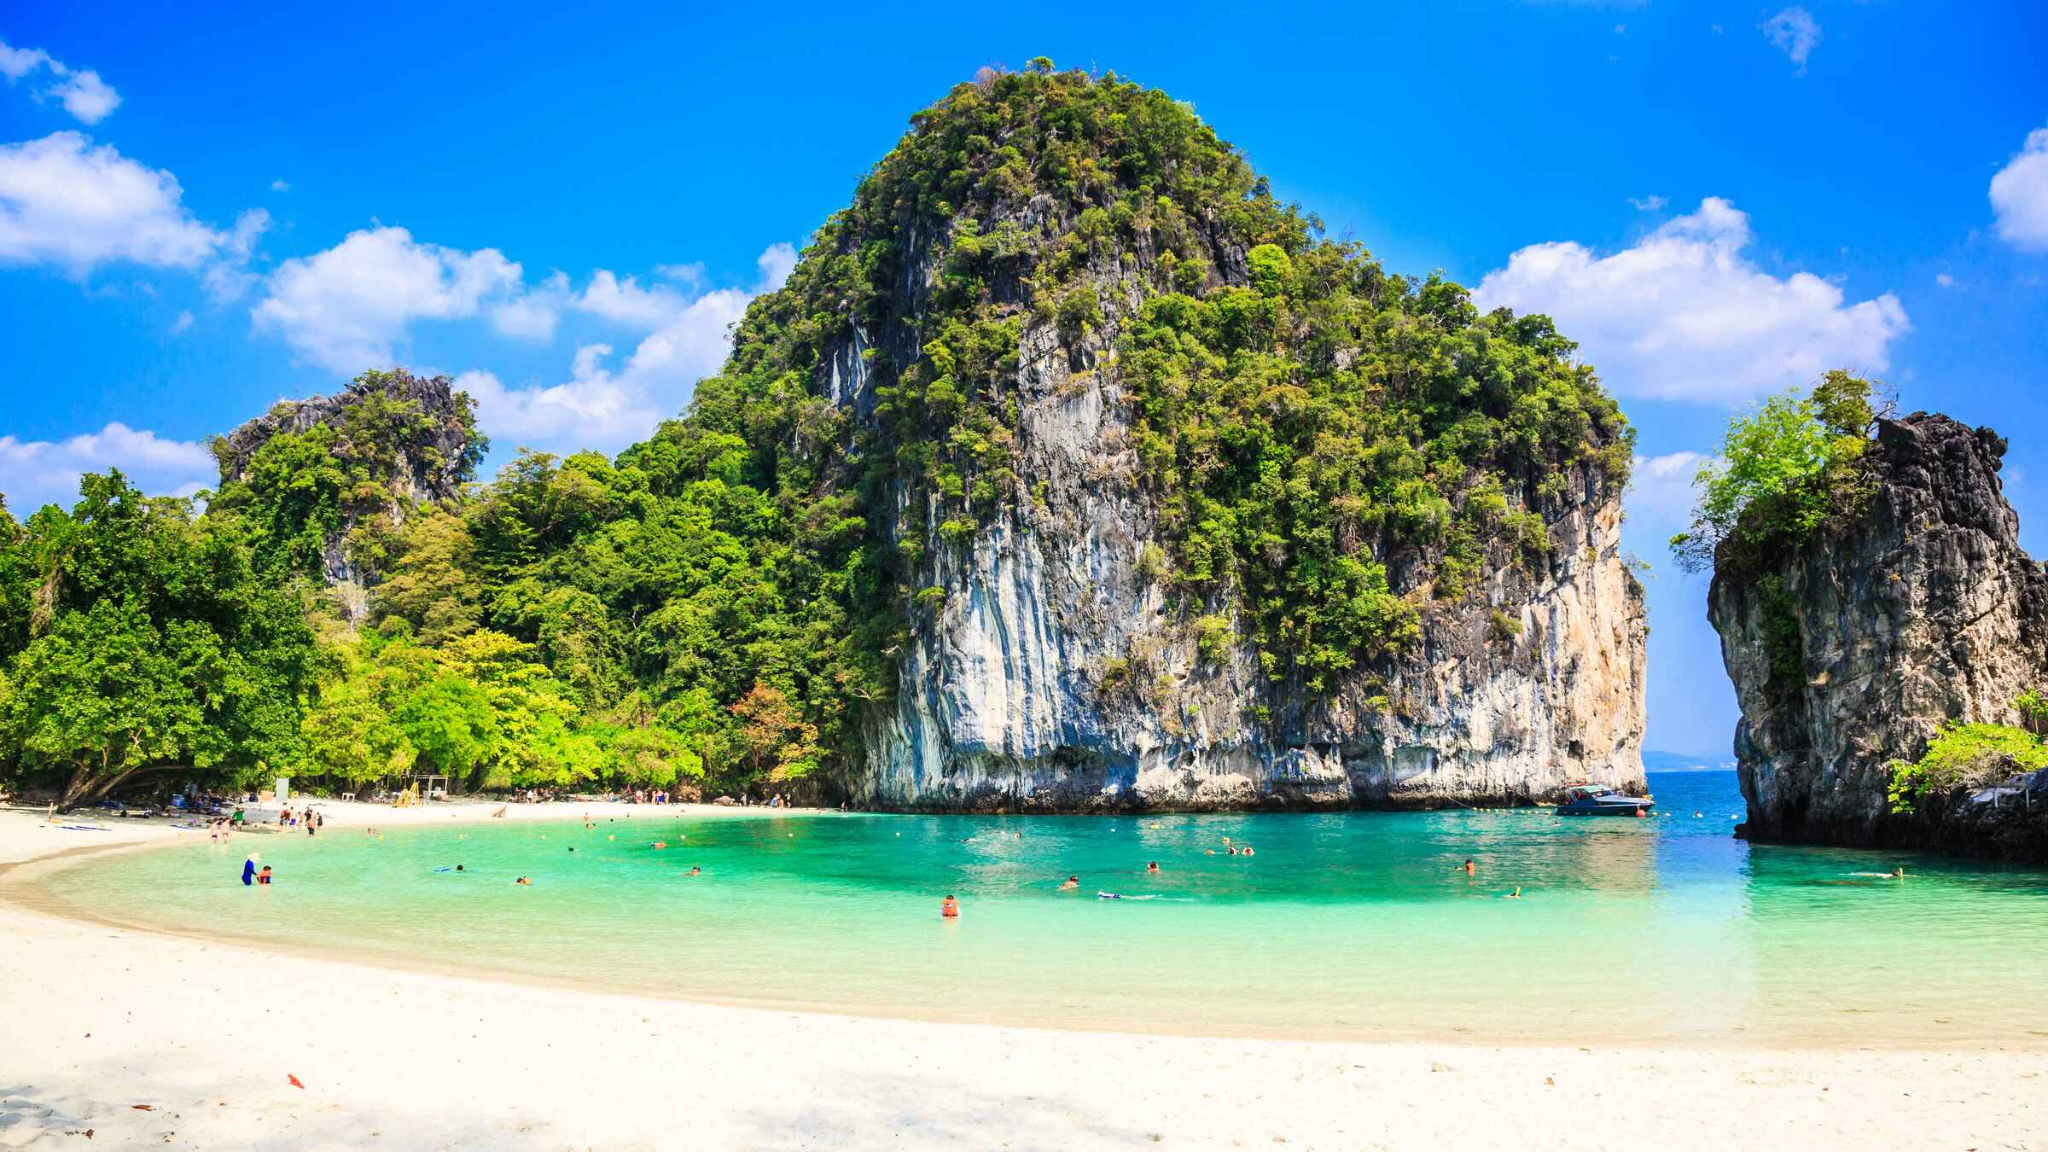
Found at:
[949, 908]
[263, 877]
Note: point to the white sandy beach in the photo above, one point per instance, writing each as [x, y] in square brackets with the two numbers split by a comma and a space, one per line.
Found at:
[99, 1020]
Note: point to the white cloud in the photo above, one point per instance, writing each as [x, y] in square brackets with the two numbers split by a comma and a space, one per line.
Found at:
[80, 90]
[532, 315]
[592, 410]
[776, 263]
[38, 472]
[68, 202]
[1648, 203]
[1684, 315]
[348, 308]
[688, 338]
[280, 186]
[183, 323]
[85, 96]
[1944, 279]
[1660, 495]
[18, 62]
[626, 302]
[1795, 33]
[2019, 195]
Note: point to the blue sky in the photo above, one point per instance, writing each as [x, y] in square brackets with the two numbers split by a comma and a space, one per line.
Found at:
[202, 211]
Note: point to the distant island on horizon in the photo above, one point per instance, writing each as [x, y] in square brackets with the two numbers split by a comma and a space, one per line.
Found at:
[1686, 762]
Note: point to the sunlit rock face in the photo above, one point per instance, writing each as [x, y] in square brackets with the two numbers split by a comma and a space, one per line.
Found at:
[1058, 675]
[1922, 610]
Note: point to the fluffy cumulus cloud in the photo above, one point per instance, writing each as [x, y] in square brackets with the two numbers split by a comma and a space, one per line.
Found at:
[684, 336]
[2019, 195]
[349, 307]
[1685, 315]
[69, 202]
[38, 472]
[1794, 32]
[80, 90]
[1660, 492]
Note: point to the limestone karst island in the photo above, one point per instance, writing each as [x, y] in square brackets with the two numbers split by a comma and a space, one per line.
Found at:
[1436, 576]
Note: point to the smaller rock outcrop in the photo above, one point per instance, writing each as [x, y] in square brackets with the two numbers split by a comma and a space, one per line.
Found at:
[430, 461]
[340, 472]
[1855, 648]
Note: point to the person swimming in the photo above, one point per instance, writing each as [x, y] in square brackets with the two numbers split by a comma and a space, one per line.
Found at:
[1152, 868]
[1070, 883]
[949, 908]
[1515, 895]
[694, 871]
[1247, 850]
[523, 880]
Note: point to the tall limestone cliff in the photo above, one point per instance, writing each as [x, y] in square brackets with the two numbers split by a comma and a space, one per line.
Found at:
[1855, 648]
[1182, 505]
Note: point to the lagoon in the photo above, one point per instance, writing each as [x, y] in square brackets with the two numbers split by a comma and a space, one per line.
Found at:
[1658, 931]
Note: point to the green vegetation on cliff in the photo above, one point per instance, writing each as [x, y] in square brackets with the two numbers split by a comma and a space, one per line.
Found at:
[1785, 468]
[1326, 448]
[1971, 755]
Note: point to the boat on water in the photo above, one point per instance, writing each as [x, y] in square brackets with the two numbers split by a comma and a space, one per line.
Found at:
[1598, 800]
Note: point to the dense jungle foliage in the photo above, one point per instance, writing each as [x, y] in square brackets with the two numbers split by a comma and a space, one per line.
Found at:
[722, 601]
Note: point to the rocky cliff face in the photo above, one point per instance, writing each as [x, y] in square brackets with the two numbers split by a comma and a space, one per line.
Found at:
[1059, 675]
[1921, 611]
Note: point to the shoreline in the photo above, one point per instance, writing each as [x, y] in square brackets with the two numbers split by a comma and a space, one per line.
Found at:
[207, 1031]
[23, 885]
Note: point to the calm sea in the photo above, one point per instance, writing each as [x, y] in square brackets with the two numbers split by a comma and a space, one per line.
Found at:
[1356, 925]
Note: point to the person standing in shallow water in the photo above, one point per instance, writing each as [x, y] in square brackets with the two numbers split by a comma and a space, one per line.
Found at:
[949, 908]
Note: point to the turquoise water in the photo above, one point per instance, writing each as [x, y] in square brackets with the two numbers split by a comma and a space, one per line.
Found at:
[1360, 925]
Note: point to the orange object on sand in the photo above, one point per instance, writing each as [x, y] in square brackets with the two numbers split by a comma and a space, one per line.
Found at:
[294, 1080]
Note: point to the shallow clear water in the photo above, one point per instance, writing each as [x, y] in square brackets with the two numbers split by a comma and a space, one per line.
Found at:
[1662, 930]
